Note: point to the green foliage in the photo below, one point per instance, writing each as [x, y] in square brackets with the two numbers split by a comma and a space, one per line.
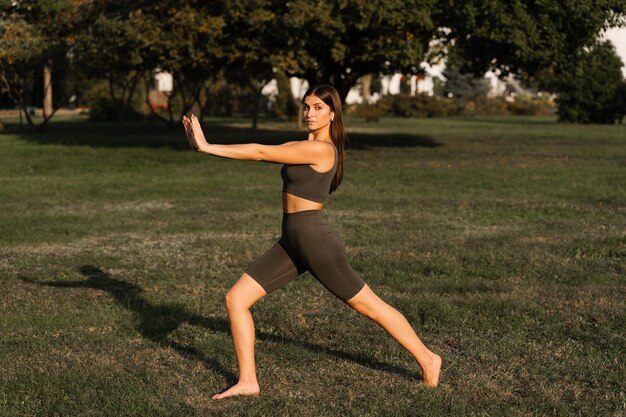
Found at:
[527, 106]
[104, 109]
[372, 112]
[421, 105]
[592, 88]
[21, 46]
[228, 99]
[523, 36]
[464, 85]
[190, 45]
[405, 84]
[34, 35]
[543, 40]
[338, 42]
[113, 46]
[486, 106]
[247, 40]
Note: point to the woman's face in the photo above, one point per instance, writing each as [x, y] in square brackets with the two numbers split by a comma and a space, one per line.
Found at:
[317, 114]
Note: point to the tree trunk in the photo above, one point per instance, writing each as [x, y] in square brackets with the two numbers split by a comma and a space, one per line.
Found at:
[366, 81]
[299, 116]
[47, 92]
[343, 87]
[255, 111]
[256, 106]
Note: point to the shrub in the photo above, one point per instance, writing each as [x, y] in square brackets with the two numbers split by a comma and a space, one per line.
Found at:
[421, 105]
[496, 106]
[372, 112]
[104, 109]
[404, 105]
[525, 106]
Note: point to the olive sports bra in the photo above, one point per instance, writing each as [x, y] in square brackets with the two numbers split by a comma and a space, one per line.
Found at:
[303, 181]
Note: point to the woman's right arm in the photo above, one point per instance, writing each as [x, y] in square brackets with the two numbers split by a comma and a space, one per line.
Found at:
[299, 152]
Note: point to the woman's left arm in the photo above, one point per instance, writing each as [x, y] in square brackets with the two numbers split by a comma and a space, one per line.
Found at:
[302, 152]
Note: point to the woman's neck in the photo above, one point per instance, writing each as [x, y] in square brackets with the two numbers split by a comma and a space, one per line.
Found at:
[321, 134]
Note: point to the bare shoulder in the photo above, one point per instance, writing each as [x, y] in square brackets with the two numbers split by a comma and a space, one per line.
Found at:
[298, 152]
[315, 146]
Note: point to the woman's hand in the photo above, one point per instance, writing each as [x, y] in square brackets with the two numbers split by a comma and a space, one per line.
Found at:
[194, 133]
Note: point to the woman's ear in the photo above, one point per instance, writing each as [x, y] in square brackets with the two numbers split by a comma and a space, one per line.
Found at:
[332, 116]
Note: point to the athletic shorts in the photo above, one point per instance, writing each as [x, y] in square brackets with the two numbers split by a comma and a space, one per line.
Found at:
[307, 244]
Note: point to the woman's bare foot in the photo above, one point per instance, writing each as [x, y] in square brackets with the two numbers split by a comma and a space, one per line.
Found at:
[430, 374]
[239, 389]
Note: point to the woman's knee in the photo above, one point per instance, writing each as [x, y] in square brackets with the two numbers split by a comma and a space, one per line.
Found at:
[367, 303]
[232, 301]
[243, 294]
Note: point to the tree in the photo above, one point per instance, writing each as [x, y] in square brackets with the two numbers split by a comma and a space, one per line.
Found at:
[593, 88]
[533, 39]
[113, 45]
[341, 41]
[189, 46]
[20, 46]
[250, 36]
[34, 36]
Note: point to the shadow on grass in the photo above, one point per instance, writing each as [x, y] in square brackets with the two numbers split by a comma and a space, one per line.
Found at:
[156, 135]
[156, 321]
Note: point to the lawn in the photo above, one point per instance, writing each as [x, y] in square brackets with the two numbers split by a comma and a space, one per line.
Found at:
[502, 240]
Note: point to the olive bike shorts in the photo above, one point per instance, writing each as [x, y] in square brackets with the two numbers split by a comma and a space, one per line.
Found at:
[307, 244]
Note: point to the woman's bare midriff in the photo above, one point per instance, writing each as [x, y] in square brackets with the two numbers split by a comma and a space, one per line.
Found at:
[294, 204]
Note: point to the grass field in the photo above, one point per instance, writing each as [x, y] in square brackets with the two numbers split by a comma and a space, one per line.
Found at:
[502, 240]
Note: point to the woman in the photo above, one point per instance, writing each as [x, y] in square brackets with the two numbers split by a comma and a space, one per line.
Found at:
[312, 170]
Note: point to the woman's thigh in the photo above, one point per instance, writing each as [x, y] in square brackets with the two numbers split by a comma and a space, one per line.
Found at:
[274, 269]
[328, 263]
[245, 292]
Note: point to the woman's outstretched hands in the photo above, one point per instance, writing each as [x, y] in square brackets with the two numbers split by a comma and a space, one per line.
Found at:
[194, 133]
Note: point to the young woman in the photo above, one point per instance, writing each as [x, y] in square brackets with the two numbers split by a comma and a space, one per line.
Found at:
[312, 169]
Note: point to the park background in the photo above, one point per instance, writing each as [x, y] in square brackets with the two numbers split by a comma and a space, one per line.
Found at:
[494, 222]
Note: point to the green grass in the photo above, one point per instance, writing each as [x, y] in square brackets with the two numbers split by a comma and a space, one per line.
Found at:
[502, 240]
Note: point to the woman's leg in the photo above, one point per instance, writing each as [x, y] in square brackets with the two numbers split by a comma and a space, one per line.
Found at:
[239, 299]
[390, 319]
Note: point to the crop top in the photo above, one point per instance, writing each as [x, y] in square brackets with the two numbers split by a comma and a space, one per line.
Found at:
[303, 181]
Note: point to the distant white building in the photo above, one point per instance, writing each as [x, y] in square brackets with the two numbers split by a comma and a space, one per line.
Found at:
[163, 82]
[422, 84]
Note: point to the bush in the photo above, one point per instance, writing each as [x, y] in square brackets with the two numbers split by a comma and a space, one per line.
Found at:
[526, 106]
[421, 105]
[372, 112]
[104, 109]
[496, 106]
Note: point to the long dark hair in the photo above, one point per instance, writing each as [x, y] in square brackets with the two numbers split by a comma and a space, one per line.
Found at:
[329, 95]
